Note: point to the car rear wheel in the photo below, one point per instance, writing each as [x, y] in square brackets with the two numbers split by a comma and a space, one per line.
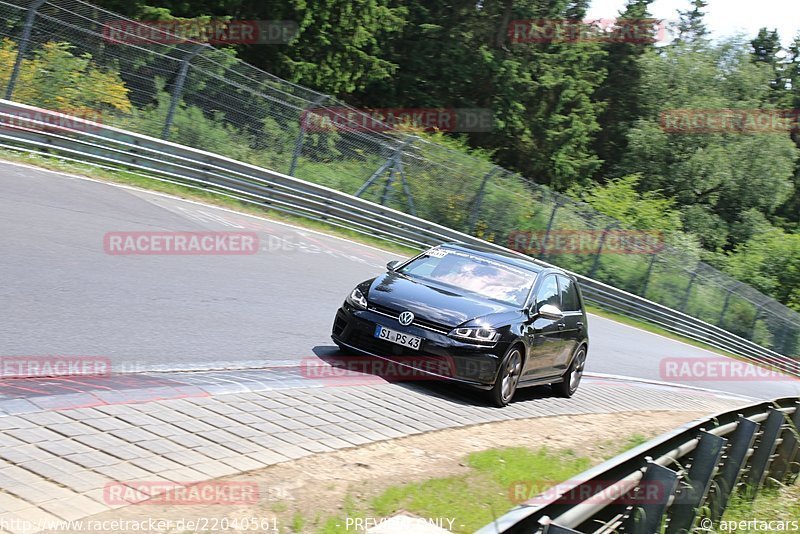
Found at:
[507, 378]
[572, 378]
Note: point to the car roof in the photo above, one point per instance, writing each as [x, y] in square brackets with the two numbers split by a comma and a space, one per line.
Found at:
[509, 257]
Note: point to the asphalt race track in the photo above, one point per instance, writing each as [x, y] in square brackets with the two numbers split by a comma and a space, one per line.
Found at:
[62, 294]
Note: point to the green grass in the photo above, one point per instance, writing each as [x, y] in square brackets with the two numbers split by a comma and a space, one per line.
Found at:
[782, 504]
[496, 481]
[485, 493]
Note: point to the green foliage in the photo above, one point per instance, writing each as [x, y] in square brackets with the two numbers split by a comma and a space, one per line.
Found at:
[56, 79]
[718, 176]
[621, 200]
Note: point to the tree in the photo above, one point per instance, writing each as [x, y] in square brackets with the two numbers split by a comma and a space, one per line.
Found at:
[620, 92]
[724, 171]
[767, 50]
[691, 24]
[338, 47]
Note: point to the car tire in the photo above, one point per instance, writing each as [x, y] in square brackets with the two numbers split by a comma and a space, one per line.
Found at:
[572, 378]
[507, 377]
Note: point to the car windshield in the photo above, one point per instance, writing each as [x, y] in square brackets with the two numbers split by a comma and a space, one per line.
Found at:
[485, 277]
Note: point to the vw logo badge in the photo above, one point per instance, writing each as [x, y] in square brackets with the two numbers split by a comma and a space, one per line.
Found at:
[406, 318]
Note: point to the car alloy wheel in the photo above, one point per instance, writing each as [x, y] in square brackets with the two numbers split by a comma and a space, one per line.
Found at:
[572, 378]
[508, 378]
[577, 371]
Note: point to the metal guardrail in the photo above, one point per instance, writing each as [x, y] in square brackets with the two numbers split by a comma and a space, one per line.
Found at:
[34, 130]
[675, 482]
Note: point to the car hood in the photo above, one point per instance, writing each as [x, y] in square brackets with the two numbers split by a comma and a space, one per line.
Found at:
[431, 302]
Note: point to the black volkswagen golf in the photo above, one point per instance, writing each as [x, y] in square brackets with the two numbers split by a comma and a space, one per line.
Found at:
[494, 321]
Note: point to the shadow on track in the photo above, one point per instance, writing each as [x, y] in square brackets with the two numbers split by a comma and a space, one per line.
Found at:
[359, 369]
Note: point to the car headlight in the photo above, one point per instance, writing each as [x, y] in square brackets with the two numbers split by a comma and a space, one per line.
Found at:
[475, 335]
[357, 299]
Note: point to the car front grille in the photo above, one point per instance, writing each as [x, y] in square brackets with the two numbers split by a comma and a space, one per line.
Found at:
[427, 325]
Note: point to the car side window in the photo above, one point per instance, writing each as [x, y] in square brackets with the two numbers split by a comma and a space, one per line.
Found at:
[548, 293]
[569, 295]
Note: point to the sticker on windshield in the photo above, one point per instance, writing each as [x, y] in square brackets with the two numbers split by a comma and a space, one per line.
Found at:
[438, 253]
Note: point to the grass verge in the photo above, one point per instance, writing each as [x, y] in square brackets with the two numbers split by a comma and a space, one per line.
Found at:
[497, 479]
[773, 510]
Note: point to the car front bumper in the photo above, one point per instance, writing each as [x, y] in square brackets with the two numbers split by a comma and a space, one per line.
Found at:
[439, 358]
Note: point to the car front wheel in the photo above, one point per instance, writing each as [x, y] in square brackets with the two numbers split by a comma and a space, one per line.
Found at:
[507, 378]
[572, 378]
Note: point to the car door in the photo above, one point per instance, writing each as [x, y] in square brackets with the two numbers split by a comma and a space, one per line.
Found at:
[573, 321]
[544, 336]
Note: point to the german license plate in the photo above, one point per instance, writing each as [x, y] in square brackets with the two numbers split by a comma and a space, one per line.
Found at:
[400, 338]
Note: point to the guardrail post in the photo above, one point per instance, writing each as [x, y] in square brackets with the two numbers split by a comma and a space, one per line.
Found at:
[23, 46]
[177, 90]
[298, 144]
[476, 204]
[646, 518]
[762, 454]
[683, 511]
[786, 454]
[596, 262]
[735, 457]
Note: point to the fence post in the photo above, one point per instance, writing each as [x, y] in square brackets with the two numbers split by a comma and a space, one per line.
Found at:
[394, 162]
[556, 205]
[653, 258]
[476, 204]
[23, 46]
[596, 262]
[177, 90]
[688, 293]
[298, 144]
[755, 320]
[721, 320]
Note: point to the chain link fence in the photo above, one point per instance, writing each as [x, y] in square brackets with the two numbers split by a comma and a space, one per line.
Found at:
[58, 54]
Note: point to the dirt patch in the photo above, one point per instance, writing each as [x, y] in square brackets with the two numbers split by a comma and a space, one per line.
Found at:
[318, 486]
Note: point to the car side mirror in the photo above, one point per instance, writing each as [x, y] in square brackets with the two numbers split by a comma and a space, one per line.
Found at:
[548, 311]
[392, 264]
